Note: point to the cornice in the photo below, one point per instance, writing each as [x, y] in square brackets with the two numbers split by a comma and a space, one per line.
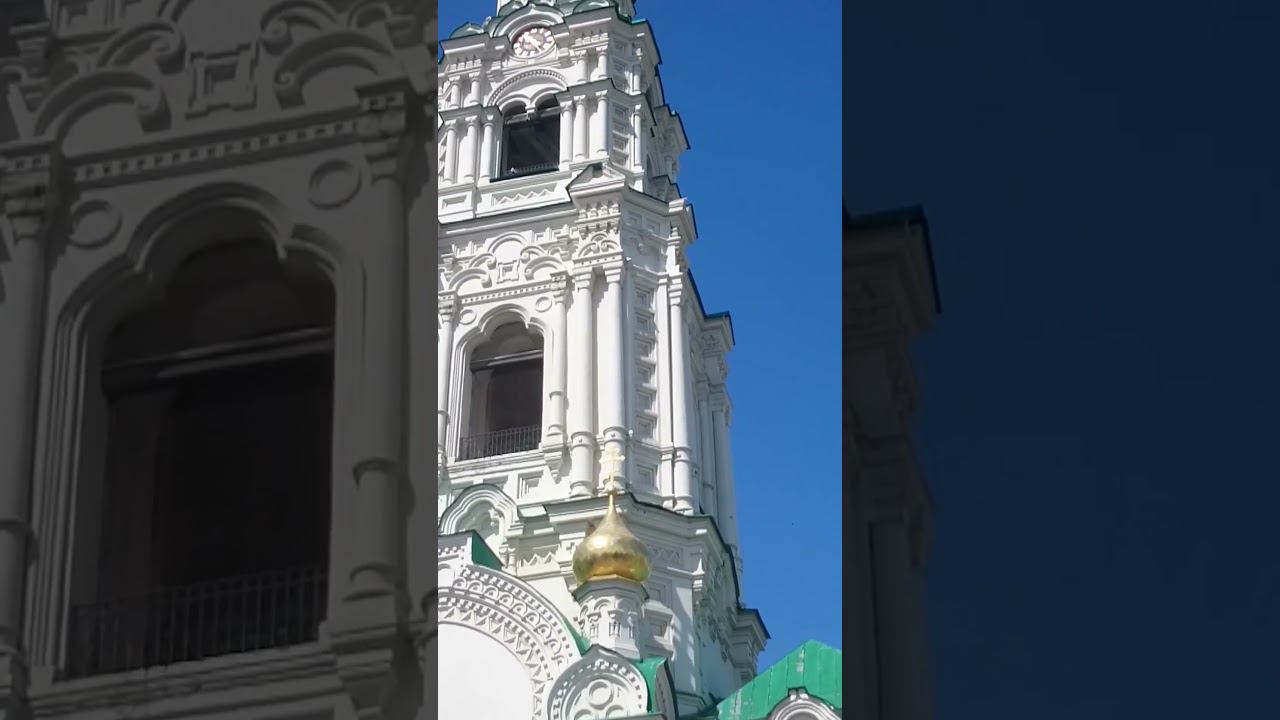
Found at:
[175, 155]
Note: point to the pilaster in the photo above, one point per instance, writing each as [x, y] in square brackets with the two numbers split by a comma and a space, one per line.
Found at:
[367, 628]
[29, 190]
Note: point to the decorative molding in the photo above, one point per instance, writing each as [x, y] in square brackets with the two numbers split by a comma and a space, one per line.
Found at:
[93, 223]
[333, 184]
[601, 684]
[516, 616]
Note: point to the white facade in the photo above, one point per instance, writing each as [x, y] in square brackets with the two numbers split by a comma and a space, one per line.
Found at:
[150, 131]
[587, 253]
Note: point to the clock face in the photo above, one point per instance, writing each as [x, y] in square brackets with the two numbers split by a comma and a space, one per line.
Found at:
[532, 42]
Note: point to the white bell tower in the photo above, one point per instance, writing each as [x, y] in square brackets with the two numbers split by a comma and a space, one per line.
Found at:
[571, 330]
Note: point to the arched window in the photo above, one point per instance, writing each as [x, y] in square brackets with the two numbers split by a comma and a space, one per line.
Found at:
[213, 523]
[506, 394]
[531, 139]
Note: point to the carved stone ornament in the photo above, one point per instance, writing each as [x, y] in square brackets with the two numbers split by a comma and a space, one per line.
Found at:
[518, 617]
[602, 684]
[333, 184]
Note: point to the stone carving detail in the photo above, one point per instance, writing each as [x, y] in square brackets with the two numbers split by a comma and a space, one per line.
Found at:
[519, 618]
[333, 184]
[161, 38]
[223, 80]
[610, 616]
[602, 684]
[509, 260]
[93, 223]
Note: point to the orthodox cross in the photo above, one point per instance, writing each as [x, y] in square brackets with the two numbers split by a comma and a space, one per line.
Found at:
[611, 468]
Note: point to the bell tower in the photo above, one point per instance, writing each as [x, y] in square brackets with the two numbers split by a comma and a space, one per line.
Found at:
[573, 344]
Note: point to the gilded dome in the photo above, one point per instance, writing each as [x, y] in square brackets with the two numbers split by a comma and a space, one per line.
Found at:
[610, 551]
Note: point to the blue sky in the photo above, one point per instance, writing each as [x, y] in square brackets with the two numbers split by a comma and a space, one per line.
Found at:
[764, 177]
[1098, 423]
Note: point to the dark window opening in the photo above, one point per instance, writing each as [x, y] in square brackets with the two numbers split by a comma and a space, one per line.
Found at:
[531, 140]
[214, 519]
[506, 394]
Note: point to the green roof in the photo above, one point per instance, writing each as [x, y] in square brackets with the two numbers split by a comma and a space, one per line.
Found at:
[482, 554]
[649, 668]
[812, 667]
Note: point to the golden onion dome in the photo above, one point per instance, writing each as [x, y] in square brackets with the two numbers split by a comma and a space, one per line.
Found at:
[611, 551]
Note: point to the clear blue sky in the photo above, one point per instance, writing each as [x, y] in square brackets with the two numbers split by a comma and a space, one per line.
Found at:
[764, 179]
[1098, 424]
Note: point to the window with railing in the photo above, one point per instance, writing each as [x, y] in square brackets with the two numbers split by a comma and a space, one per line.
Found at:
[192, 622]
[530, 140]
[506, 394]
[214, 488]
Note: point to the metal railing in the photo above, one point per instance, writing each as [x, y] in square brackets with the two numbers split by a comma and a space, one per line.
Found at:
[207, 619]
[515, 172]
[500, 442]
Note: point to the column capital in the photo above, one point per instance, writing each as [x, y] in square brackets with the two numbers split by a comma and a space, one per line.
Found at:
[675, 290]
[30, 192]
[718, 398]
[613, 271]
[583, 275]
[384, 127]
[448, 305]
[560, 291]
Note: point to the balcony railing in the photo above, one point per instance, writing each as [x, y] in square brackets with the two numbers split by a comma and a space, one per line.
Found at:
[500, 442]
[523, 170]
[217, 617]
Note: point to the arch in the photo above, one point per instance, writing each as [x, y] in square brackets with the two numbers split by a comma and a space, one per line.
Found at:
[499, 400]
[528, 87]
[800, 705]
[601, 684]
[341, 48]
[279, 22]
[520, 618]
[73, 99]
[172, 230]
[453, 520]
[527, 16]
[160, 37]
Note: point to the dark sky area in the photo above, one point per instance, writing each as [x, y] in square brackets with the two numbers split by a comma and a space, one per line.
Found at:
[1099, 395]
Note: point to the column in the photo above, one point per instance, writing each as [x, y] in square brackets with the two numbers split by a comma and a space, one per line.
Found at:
[582, 448]
[566, 132]
[613, 363]
[444, 370]
[680, 404]
[554, 377]
[726, 501]
[706, 453]
[486, 148]
[580, 119]
[602, 64]
[379, 463]
[583, 69]
[899, 640]
[600, 126]
[22, 316]
[455, 93]
[450, 151]
[469, 147]
[637, 141]
[473, 90]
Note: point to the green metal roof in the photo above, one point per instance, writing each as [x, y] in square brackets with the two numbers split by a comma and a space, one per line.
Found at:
[649, 668]
[812, 667]
[482, 554]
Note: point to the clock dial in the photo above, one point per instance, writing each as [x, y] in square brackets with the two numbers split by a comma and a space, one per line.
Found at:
[532, 42]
